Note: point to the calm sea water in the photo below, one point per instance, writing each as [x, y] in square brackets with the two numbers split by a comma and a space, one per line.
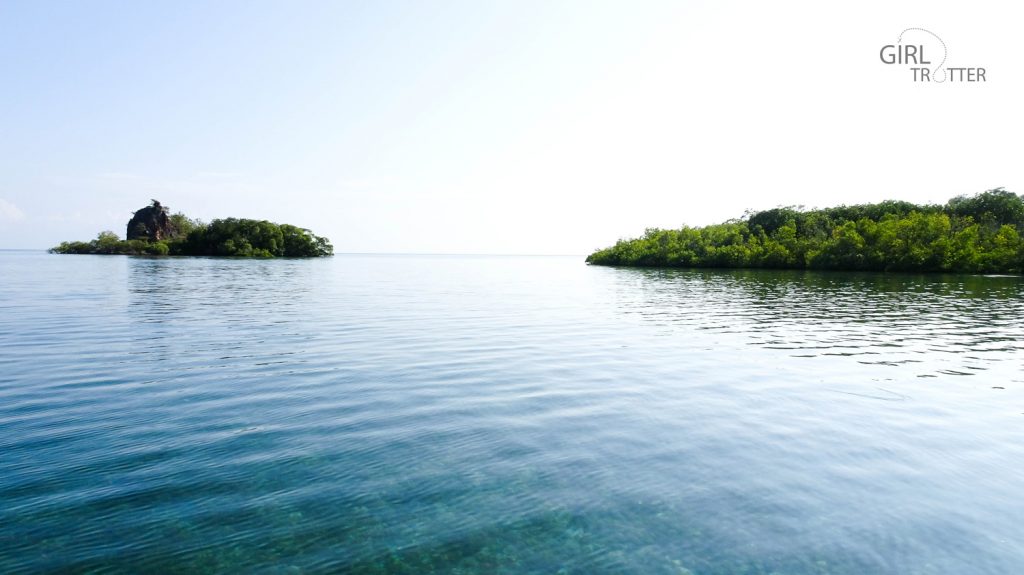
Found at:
[416, 414]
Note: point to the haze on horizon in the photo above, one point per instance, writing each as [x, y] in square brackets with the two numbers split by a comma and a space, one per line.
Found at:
[541, 127]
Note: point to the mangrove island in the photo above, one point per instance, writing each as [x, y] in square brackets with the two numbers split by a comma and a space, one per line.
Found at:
[153, 230]
[974, 234]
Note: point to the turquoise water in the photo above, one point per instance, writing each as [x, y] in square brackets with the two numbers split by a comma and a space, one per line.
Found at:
[418, 414]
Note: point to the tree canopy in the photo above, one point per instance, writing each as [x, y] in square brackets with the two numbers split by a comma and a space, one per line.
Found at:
[979, 233]
[252, 238]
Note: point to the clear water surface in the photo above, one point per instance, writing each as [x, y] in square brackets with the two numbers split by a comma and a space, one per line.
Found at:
[418, 414]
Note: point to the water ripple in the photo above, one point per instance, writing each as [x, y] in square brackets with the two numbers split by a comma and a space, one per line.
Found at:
[386, 414]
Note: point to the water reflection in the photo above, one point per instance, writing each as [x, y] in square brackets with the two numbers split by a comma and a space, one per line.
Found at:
[882, 319]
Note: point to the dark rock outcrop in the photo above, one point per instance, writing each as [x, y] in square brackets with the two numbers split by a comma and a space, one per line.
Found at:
[152, 223]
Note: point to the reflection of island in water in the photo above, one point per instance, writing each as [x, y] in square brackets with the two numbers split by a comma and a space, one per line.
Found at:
[153, 230]
[980, 233]
[904, 324]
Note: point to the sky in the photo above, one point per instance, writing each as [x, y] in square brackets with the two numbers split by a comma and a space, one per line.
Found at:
[507, 127]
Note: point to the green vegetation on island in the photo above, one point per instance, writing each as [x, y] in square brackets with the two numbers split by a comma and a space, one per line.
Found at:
[980, 233]
[154, 231]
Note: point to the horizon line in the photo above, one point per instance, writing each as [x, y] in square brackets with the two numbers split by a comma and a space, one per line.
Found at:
[378, 253]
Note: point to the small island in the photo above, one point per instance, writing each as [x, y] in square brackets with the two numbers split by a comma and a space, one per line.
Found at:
[153, 230]
[972, 234]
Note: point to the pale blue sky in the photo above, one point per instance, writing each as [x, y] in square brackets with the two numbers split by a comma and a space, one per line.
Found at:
[487, 127]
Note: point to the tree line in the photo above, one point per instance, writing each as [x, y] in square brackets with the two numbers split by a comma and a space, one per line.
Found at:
[979, 233]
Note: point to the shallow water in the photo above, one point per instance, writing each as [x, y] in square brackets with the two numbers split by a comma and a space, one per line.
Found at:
[442, 414]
